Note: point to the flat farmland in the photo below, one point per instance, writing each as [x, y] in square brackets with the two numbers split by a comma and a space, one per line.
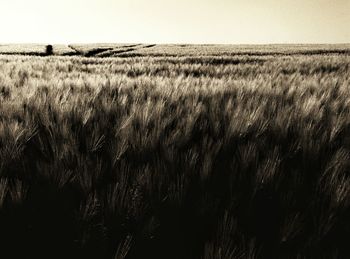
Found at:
[175, 151]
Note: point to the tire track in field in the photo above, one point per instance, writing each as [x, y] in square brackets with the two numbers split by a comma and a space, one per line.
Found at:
[124, 49]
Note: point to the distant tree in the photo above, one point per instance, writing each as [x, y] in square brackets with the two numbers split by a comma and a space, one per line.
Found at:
[49, 50]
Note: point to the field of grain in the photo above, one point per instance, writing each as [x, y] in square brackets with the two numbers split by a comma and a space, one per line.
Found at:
[175, 151]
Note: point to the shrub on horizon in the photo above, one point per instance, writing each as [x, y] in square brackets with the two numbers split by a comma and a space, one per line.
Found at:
[49, 50]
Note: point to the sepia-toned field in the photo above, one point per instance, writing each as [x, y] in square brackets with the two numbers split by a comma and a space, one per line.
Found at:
[175, 151]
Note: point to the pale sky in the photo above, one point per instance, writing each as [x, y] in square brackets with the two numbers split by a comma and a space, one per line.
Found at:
[175, 21]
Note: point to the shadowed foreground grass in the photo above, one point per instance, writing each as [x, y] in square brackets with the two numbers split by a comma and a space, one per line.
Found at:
[216, 156]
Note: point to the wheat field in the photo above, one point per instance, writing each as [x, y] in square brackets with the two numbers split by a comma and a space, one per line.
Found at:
[175, 151]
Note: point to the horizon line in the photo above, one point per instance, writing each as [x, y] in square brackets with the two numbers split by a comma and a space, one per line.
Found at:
[175, 43]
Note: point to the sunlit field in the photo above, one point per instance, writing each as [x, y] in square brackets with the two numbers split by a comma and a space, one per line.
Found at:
[175, 151]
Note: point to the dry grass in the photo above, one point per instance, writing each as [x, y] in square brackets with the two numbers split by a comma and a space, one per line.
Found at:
[209, 154]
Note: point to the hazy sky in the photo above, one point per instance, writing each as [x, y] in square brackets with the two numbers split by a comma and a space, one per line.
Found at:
[175, 21]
